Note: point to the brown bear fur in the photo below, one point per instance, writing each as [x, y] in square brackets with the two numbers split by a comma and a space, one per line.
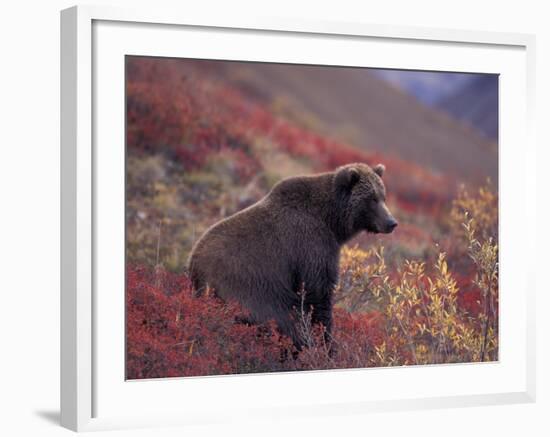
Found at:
[290, 240]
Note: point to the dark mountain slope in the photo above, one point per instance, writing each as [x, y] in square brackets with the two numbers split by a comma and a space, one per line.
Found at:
[474, 102]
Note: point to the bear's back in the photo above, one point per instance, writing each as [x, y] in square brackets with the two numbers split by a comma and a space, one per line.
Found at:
[268, 242]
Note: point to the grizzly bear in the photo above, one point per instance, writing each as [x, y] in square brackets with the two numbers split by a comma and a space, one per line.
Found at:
[282, 253]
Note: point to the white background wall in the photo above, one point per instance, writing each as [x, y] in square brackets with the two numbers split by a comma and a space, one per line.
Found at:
[29, 215]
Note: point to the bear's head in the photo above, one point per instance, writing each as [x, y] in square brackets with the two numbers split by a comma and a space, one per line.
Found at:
[362, 196]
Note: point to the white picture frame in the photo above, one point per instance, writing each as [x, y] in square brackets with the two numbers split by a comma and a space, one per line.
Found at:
[87, 376]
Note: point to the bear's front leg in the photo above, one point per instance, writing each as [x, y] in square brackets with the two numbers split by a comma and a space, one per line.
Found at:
[322, 313]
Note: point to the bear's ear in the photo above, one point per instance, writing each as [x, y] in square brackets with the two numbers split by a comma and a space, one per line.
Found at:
[347, 177]
[379, 169]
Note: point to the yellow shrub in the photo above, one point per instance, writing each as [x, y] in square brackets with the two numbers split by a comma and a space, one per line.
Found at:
[425, 323]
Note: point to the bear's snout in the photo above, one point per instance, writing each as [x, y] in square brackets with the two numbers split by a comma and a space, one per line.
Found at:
[391, 224]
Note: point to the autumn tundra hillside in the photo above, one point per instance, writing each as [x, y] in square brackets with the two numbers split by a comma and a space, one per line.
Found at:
[355, 105]
[206, 139]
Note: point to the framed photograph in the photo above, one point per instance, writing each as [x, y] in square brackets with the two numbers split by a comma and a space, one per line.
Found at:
[272, 218]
